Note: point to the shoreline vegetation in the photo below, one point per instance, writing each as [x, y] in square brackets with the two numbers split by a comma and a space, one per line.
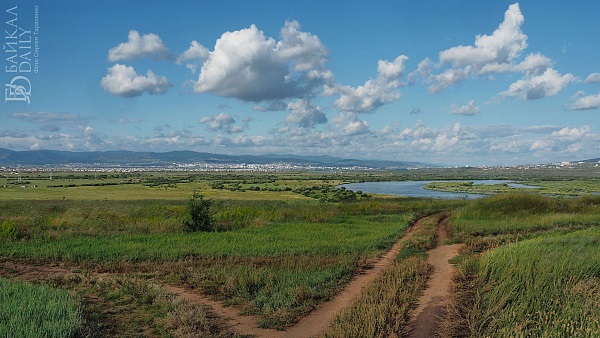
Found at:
[110, 245]
[550, 188]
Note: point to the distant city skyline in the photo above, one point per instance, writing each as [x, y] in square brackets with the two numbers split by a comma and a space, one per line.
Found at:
[458, 83]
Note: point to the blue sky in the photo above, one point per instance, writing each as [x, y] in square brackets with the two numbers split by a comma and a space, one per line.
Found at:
[452, 82]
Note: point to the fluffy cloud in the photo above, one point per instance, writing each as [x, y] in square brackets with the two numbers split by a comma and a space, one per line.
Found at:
[425, 139]
[147, 45]
[533, 64]
[249, 66]
[497, 53]
[221, 121]
[123, 81]
[467, 110]
[304, 114]
[489, 54]
[503, 46]
[350, 124]
[538, 145]
[572, 134]
[375, 92]
[535, 87]
[447, 79]
[195, 54]
[586, 102]
[593, 78]
[565, 141]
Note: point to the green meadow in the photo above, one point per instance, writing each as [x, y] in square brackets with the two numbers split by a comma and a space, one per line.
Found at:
[285, 243]
[530, 267]
[28, 310]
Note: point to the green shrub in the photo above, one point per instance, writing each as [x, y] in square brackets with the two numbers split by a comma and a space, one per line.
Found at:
[200, 217]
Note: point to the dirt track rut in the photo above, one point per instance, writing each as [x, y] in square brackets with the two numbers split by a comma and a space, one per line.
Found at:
[426, 318]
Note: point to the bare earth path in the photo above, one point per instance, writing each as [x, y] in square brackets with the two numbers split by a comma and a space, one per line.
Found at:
[314, 324]
[431, 306]
[317, 322]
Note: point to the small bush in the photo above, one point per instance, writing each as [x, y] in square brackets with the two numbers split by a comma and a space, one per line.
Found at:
[200, 217]
[8, 230]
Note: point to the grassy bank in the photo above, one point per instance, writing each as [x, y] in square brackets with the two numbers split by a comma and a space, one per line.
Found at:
[555, 187]
[543, 287]
[530, 268]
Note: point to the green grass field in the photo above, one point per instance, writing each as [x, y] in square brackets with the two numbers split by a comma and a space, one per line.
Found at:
[28, 310]
[542, 287]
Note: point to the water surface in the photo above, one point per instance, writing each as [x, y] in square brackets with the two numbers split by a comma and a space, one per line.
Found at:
[415, 188]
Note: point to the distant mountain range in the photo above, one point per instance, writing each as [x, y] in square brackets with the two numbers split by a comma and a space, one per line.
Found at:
[155, 159]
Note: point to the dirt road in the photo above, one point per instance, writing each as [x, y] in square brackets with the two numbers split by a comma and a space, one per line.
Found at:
[426, 317]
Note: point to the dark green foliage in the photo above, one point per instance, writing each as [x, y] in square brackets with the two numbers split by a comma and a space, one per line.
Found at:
[326, 193]
[200, 216]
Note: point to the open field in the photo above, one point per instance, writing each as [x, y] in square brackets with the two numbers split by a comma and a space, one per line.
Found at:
[116, 247]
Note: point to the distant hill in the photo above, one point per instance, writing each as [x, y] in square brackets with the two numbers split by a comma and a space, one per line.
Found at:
[133, 158]
[592, 160]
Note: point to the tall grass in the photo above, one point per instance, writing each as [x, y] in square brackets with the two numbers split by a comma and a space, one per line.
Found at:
[128, 306]
[279, 290]
[28, 310]
[367, 234]
[543, 287]
[382, 309]
[528, 268]
[35, 219]
[522, 213]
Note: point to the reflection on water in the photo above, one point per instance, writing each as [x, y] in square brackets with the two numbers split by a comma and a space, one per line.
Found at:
[415, 188]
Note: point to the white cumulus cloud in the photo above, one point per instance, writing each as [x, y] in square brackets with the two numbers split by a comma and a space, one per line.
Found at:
[138, 46]
[124, 81]
[586, 102]
[249, 66]
[503, 46]
[222, 121]
[572, 134]
[304, 114]
[195, 55]
[535, 87]
[468, 110]
[497, 53]
[592, 78]
[350, 124]
[375, 92]
[195, 52]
